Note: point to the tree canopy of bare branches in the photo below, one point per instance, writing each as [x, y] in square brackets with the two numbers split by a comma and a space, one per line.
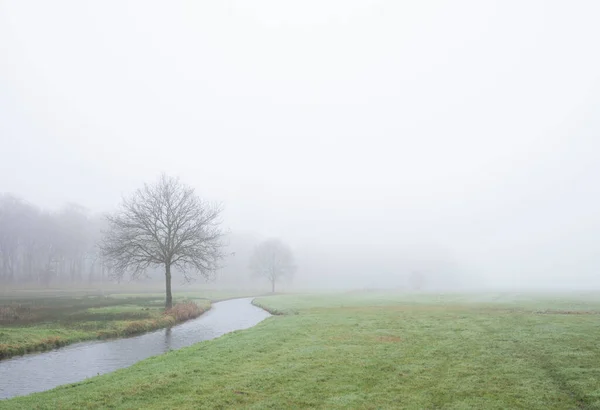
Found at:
[164, 224]
[274, 260]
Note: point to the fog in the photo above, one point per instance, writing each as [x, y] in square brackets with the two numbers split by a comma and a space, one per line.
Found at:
[377, 138]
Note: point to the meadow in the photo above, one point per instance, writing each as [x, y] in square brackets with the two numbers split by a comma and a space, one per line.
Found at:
[372, 350]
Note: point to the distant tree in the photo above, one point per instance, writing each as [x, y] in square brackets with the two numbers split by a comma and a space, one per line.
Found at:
[272, 259]
[164, 224]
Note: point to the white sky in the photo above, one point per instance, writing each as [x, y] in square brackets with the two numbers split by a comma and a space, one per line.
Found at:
[366, 127]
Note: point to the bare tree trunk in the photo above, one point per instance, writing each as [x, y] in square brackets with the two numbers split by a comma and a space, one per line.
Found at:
[169, 302]
[273, 285]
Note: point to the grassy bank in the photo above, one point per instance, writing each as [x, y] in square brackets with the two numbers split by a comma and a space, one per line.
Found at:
[41, 322]
[372, 351]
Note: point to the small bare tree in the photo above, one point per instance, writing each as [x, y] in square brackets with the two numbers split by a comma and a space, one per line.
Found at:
[273, 260]
[164, 224]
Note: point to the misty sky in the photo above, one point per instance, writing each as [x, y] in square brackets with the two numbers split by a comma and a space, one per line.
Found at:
[358, 130]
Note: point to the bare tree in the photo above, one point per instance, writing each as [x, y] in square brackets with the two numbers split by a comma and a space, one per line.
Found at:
[164, 224]
[273, 260]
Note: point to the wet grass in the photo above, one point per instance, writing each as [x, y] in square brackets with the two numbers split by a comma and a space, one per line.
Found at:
[372, 351]
[42, 322]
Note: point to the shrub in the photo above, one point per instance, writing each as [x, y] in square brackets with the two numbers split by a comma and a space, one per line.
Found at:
[184, 311]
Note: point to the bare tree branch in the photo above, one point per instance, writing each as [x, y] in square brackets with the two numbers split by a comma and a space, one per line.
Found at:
[165, 224]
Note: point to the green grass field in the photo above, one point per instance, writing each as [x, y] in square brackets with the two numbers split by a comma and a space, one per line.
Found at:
[372, 351]
[39, 320]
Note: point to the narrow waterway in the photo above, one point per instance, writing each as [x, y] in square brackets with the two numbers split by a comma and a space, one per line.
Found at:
[43, 371]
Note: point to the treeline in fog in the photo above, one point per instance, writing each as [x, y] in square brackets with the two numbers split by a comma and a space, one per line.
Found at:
[47, 248]
[42, 247]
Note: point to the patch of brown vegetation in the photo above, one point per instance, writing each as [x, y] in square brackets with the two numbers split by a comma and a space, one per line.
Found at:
[184, 311]
[52, 341]
[138, 326]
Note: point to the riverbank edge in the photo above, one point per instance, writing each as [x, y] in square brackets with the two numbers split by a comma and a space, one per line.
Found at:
[134, 328]
[273, 311]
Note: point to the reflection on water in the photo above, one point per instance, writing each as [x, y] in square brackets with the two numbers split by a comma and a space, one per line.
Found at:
[167, 340]
[43, 371]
